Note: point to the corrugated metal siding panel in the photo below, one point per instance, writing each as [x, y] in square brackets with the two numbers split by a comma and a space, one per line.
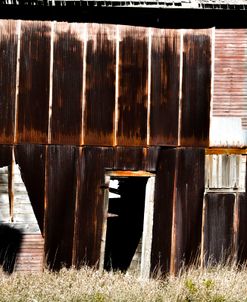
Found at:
[196, 88]
[66, 118]
[8, 60]
[229, 113]
[164, 98]
[133, 86]
[99, 118]
[60, 205]
[33, 97]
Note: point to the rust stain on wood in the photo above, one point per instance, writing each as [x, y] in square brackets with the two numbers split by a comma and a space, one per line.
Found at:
[100, 85]
[165, 59]
[132, 101]
[33, 98]
[66, 119]
[8, 61]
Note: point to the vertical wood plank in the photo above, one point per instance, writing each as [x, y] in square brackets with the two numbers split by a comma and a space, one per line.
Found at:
[8, 60]
[133, 86]
[90, 204]
[165, 59]
[242, 240]
[33, 99]
[196, 88]
[100, 85]
[60, 206]
[66, 119]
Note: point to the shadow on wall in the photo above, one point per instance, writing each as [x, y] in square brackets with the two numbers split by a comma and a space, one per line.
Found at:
[9, 246]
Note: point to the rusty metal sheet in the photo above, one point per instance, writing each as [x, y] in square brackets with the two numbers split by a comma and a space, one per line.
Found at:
[242, 239]
[188, 204]
[31, 160]
[33, 97]
[5, 155]
[99, 118]
[196, 88]
[90, 206]
[60, 205]
[8, 60]
[165, 64]
[163, 208]
[229, 112]
[218, 227]
[66, 119]
[132, 86]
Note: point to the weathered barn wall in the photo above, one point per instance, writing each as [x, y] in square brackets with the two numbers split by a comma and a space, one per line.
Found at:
[72, 83]
[78, 100]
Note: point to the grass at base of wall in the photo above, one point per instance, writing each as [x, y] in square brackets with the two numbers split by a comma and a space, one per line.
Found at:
[216, 284]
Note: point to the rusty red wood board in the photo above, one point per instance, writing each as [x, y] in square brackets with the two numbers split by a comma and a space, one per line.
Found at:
[99, 118]
[5, 155]
[165, 64]
[242, 239]
[163, 205]
[132, 86]
[90, 204]
[196, 88]
[188, 205]
[33, 97]
[60, 205]
[8, 59]
[218, 227]
[66, 118]
[31, 160]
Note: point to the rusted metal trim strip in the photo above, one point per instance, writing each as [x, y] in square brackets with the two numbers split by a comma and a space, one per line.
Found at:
[116, 87]
[18, 30]
[226, 151]
[149, 83]
[129, 173]
[84, 78]
[180, 86]
[51, 80]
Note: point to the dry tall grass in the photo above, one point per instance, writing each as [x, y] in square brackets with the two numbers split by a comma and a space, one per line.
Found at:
[215, 284]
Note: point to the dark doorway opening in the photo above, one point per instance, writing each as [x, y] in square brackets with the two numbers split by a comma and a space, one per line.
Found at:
[124, 222]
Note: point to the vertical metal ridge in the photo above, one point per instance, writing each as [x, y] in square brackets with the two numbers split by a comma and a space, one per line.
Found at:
[84, 82]
[116, 87]
[149, 84]
[18, 30]
[180, 86]
[51, 80]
